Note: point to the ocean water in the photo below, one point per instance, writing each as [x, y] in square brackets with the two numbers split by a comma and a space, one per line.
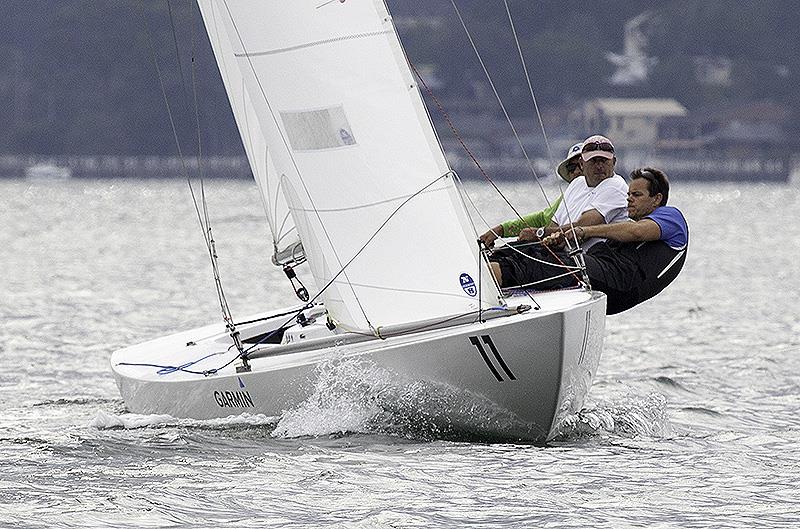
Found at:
[693, 419]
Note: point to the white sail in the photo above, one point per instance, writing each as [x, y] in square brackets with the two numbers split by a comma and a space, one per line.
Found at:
[383, 226]
[281, 225]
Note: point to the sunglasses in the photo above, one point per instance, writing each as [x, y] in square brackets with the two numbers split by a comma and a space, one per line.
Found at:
[598, 146]
[655, 185]
[571, 166]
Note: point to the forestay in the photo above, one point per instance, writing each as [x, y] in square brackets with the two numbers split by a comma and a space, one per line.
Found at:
[360, 167]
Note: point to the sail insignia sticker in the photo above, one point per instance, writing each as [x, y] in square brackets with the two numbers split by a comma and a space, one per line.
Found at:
[318, 129]
[347, 138]
[468, 284]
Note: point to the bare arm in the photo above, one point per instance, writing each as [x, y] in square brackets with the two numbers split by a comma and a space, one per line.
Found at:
[641, 230]
[490, 236]
[589, 217]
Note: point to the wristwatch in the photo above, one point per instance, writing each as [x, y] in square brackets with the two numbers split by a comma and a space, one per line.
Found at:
[540, 232]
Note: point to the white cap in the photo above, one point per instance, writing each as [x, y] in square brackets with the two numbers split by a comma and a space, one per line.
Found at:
[573, 151]
[597, 145]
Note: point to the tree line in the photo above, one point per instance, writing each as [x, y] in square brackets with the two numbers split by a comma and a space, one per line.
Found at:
[80, 77]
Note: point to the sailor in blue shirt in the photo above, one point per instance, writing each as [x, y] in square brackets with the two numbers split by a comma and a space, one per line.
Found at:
[643, 256]
[672, 225]
[637, 260]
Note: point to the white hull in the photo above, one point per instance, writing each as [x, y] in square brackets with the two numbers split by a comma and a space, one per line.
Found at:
[512, 376]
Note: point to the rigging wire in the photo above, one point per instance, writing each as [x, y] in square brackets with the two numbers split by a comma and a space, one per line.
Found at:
[177, 55]
[455, 132]
[223, 300]
[538, 115]
[242, 353]
[530, 85]
[499, 100]
[462, 190]
[578, 257]
[202, 219]
[226, 311]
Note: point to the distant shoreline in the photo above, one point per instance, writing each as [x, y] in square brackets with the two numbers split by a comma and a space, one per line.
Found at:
[110, 166]
[695, 168]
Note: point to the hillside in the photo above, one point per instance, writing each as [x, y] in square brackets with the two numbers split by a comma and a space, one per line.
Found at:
[80, 78]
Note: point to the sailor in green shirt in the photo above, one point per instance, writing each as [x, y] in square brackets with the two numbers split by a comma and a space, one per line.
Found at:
[568, 169]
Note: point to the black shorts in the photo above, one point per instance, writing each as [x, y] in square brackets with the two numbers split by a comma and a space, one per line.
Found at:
[534, 267]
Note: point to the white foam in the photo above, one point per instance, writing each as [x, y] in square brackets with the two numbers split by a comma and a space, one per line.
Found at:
[104, 421]
[344, 400]
[356, 396]
[631, 416]
[313, 418]
[243, 419]
[129, 421]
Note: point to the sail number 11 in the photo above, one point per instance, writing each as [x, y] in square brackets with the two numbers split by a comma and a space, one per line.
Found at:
[487, 340]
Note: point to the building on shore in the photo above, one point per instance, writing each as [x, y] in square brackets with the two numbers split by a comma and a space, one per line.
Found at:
[745, 142]
[630, 122]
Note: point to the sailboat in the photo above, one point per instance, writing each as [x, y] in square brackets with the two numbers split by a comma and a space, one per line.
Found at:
[355, 183]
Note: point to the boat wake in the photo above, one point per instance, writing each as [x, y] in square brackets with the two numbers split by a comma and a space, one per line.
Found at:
[630, 416]
[77, 401]
[131, 421]
[356, 396]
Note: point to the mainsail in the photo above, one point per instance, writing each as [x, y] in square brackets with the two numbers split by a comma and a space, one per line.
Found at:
[326, 102]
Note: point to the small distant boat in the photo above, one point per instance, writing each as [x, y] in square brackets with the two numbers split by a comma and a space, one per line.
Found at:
[47, 171]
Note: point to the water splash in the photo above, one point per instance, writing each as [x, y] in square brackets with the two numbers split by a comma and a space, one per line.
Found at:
[631, 416]
[77, 401]
[356, 396]
[349, 396]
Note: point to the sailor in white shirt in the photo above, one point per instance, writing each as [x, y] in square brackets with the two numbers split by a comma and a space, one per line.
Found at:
[597, 197]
